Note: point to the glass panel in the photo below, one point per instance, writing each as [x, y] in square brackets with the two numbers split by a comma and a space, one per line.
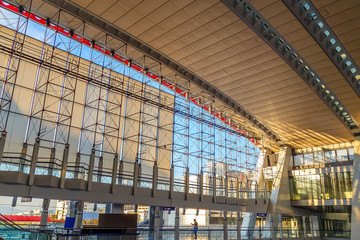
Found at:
[298, 160]
[342, 155]
[308, 159]
[330, 156]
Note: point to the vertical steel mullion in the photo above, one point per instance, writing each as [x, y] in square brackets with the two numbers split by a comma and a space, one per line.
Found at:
[6, 83]
[73, 94]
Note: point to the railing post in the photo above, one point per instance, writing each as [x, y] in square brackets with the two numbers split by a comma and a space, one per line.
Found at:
[64, 166]
[187, 183]
[91, 169]
[177, 224]
[135, 177]
[99, 170]
[77, 165]
[171, 186]
[265, 192]
[121, 172]
[226, 189]
[201, 185]
[214, 188]
[154, 179]
[23, 157]
[34, 159]
[114, 172]
[256, 193]
[52, 162]
[2, 144]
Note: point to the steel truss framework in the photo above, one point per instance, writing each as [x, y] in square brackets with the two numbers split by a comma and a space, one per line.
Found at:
[244, 10]
[115, 120]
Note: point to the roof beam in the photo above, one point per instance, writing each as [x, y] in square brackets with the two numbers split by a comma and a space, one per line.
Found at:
[123, 36]
[315, 24]
[246, 12]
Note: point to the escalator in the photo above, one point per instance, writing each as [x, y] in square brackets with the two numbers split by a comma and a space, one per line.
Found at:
[12, 230]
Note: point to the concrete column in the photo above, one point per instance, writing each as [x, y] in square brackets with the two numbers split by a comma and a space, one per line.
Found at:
[91, 169]
[64, 166]
[34, 159]
[311, 227]
[226, 230]
[201, 185]
[279, 201]
[157, 223]
[2, 144]
[209, 230]
[52, 162]
[238, 225]
[304, 225]
[121, 171]
[171, 185]
[44, 214]
[177, 224]
[355, 211]
[154, 179]
[114, 172]
[79, 214]
[187, 182]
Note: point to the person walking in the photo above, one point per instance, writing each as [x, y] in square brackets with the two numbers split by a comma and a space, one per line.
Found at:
[195, 224]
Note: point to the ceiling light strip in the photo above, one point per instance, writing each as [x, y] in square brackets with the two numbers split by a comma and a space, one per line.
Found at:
[245, 11]
[315, 24]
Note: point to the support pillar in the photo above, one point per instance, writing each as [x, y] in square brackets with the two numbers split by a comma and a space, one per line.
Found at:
[171, 186]
[100, 168]
[2, 144]
[177, 224]
[34, 159]
[304, 225]
[226, 189]
[135, 177]
[355, 210]
[157, 223]
[201, 185]
[77, 166]
[214, 188]
[23, 157]
[91, 169]
[311, 226]
[226, 230]
[280, 226]
[51, 162]
[238, 189]
[114, 172]
[44, 214]
[187, 183]
[279, 200]
[79, 214]
[154, 179]
[64, 166]
[238, 225]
